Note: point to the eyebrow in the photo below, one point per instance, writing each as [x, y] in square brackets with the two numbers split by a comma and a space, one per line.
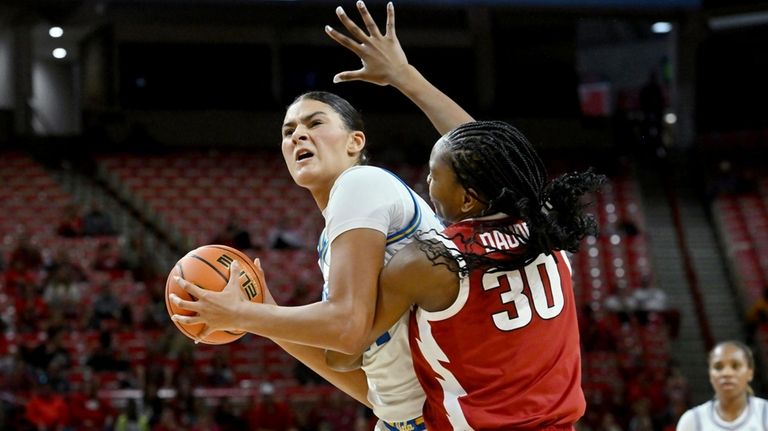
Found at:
[304, 118]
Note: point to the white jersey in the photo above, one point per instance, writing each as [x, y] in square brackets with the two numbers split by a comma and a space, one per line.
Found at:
[705, 418]
[373, 198]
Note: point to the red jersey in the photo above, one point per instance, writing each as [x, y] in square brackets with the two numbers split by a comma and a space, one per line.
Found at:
[505, 355]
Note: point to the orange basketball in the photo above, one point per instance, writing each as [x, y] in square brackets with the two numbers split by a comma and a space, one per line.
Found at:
[208, 268]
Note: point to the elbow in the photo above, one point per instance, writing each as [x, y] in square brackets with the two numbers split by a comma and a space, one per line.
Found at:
[352, 338]
[340, 362]
[350, 344]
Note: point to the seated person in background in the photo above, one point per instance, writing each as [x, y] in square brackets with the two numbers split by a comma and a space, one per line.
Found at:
[283, 237]
[25, 256]
[757, 314]
[105, 357]
[71, 224]
[97, 222]
[235, 235]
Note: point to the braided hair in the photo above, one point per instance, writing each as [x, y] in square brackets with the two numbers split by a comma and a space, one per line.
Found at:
[497, 164]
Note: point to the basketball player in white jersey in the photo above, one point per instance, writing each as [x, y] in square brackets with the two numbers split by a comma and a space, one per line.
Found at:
[734, 407]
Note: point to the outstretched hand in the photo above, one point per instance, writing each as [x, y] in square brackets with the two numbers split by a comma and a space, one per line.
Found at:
[382, 56]
[218, 311]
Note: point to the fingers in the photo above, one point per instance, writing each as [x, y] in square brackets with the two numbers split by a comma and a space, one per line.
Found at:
[183, 304]
[350, 25]
[187, 320]
[260, 273]
[267, 298]
[390, 29]
[343, 40]
[370, 24]
[204, 333]
[234, 275]
[190, 288]
[348, 76]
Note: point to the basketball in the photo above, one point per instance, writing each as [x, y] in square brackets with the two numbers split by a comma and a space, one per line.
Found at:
[208, 268]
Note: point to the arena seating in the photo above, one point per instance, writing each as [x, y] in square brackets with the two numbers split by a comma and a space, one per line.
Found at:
[609, 265]
[196, 193]
[741, 219]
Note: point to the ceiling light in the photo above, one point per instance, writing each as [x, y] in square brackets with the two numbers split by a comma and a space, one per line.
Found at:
[59, 53]
[55, 32]
[661, 27]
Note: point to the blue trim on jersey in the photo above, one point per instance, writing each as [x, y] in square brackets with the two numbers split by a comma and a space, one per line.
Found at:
[322, 247]
[416, 424]
[383, 338]
[410, 228]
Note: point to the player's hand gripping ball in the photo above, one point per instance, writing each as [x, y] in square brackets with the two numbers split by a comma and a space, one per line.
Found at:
[208, 268]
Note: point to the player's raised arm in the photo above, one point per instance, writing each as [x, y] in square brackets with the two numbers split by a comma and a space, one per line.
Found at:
[385, 63]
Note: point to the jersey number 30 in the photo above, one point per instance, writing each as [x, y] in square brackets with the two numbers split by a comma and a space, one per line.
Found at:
[539, 284]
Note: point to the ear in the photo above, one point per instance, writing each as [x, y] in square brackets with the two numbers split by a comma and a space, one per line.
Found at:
[470, 205]
[356, 143]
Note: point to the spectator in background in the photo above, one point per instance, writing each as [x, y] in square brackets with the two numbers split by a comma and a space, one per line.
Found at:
[107, 259]
[641, 416]
[132, 419]
[97, 222]
[134, 256]
[648, 299]
[235, 235]
[226, 417]
[63, 287]
[24, 264]
[155, 313]
[46, 409]
[269, 413]
[71, 223]
[49, 351]
[731, 370]
[105, 309]
[757, 314]
[32, 313]
[25, 256]
[622, 303]
[218, 373]
[283, 237]
[105, 357]
[87, 412]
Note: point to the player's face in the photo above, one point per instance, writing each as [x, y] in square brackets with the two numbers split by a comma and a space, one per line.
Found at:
[317, 146]
[729, 371]
[445, 191]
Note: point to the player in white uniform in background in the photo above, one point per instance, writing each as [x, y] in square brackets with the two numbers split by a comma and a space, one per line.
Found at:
[369, 215]
[734, 407]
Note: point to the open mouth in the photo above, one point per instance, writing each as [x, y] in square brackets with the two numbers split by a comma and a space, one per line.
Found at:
[303, 155]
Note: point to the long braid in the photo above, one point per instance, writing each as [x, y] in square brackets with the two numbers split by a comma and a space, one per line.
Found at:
[497, 163]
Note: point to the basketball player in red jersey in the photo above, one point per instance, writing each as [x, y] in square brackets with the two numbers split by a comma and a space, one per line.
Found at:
[494, 333]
